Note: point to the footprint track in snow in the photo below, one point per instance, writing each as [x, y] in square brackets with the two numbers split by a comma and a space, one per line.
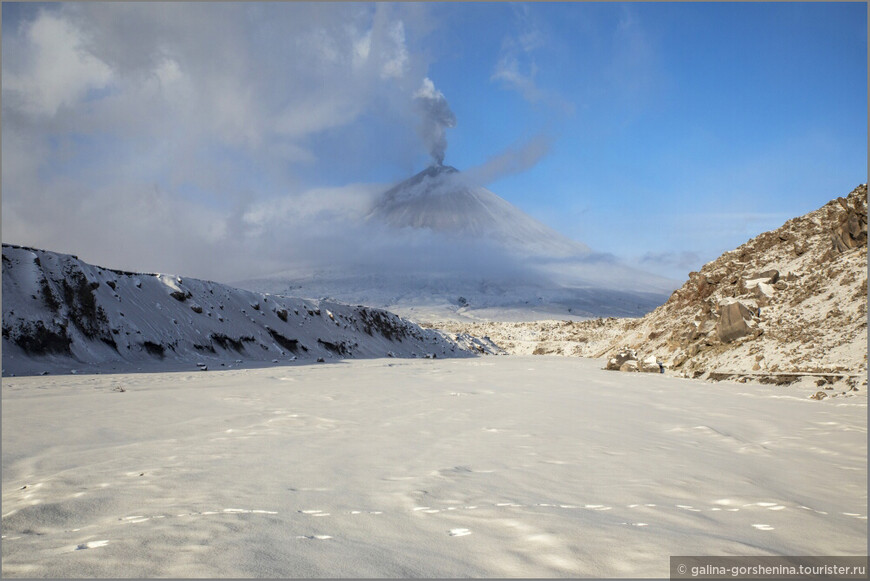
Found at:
[135, 519]
[314, 512]
[722, 506]
[91, 545]
[763, 527]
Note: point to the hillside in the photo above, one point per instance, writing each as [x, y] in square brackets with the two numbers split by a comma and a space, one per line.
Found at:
[61, 314]
[788, 303]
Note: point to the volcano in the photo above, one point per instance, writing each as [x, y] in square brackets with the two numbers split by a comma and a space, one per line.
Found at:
[440, 199]
[439, 243]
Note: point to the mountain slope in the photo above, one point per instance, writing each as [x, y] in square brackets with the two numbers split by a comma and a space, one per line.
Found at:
[61, 313]
[787, 303]
[794, 299]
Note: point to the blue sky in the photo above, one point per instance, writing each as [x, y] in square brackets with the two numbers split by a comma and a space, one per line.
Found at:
[664, 133]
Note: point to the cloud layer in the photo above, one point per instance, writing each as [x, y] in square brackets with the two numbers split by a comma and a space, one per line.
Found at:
[150, 136]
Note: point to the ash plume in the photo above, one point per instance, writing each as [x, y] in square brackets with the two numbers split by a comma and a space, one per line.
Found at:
[437, 118]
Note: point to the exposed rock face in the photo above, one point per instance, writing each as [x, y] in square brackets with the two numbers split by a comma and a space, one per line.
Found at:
[768, 276]
[763, 293]
[850, 230]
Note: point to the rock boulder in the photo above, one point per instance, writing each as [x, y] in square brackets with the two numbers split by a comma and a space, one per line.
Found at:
[649, 365]
[630, 365]
[735, 320]
[763, 292]
[616, 362]
[768, 276]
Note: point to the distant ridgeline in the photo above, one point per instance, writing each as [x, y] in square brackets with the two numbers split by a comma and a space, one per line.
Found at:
[60, 313]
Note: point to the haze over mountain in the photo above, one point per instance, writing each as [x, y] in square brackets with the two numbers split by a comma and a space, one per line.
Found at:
[439, 241]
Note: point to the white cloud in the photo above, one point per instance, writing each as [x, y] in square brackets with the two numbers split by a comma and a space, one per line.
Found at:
[508, 71]
[57, 69]
[138, 135]
[292, 153]
[350, 202]
[313, 115]
[322, 44]
[517, 66]
[396, 58]
[168, 72]
[362, 48]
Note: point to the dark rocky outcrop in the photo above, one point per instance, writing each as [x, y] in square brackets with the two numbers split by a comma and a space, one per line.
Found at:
[850, 227]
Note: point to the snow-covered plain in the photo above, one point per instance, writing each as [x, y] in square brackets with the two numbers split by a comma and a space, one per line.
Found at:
[490, 466]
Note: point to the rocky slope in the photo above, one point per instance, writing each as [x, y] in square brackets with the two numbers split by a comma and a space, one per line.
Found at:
[60, 314]
[788, 303]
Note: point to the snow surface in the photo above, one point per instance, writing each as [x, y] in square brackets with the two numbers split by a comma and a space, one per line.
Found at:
[482, 467]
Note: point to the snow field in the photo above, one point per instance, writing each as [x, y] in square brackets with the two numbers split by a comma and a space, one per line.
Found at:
[497, 466]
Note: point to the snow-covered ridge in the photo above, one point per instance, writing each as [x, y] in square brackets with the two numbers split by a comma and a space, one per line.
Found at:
[60, 313]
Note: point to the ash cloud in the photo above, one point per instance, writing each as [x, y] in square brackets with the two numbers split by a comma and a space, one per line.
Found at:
[513, 160]
[437, 119]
